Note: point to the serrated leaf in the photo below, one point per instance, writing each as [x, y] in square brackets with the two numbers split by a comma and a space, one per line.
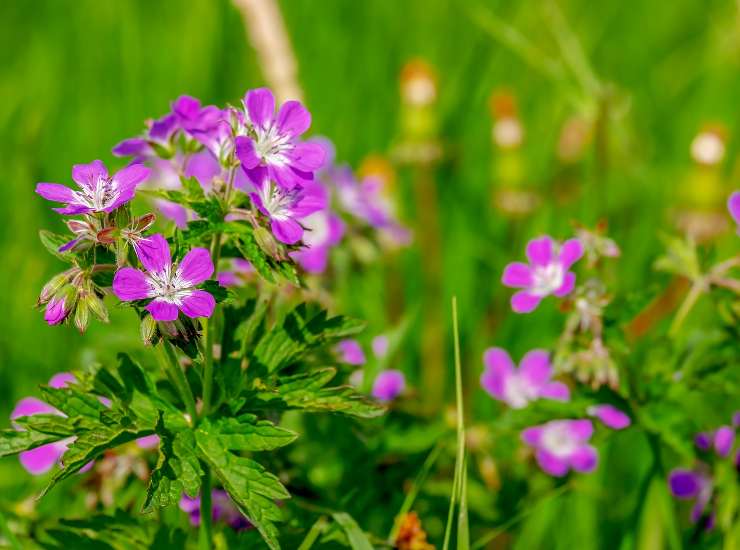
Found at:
[73, 402]
[250, 486]
[248, 247]
[248, 433]
[52, 242]
[50, 424]
[14, 441]
[177, 470]
[193, 189]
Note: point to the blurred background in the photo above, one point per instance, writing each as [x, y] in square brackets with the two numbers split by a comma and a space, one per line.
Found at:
[497, 121]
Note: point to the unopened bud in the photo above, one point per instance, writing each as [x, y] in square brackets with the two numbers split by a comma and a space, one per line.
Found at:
[266, 241]
[148, 330]
[52, 287]
[96, 305]
[82, 315]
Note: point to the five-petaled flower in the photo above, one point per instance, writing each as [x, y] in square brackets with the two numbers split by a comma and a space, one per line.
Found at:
[172, 287]
[561, 445]
[518, 387]
[98, 192]
[323, 229]
[547, 272]
[693, 485]
[388, 385]
[273, 150]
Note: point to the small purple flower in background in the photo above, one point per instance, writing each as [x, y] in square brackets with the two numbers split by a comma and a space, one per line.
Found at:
[388, 385]
[724, 439]
[274, 151]
[171, 286]
[285, 208]
[148, 442]
[692, 485]
[610, 416]
[159, 133]
[237, 274]
[224, 510]
[380, 345]
[518, 387]
[98, 191]
[322, 230]
[350, 352]
[40, 460]
[733, 205]
[561, 445]
[547, 272]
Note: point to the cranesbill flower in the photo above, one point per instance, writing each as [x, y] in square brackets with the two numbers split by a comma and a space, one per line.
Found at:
[610, 416]
[159, 134]
[724, 439]
[273, 150]
[172, 287]
[547, 272]
[733, 205]
[224, 510]
[388, 385]
[57, 310]
[98, 191]
[350, 352]
[40, 460]
[692, 485]
[322, 230]
[518, 387]
[237, 274]
[561, 445]
[285, 208]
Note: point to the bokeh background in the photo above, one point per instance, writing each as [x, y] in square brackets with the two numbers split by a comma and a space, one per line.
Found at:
[645, 77]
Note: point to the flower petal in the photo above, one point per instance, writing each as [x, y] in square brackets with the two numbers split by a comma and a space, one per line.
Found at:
[246, 153]
[531, 436]
[570, 253]
[196, 266]
[199, 304]
[535, 367]
[260, 104]
[55, 192]
[555, 390]
[388, 385]
[86, 175]
[40, 460]
[581, 430]
[131, 176]
[133, 147]
[584, 459]
[293, 118]
[539, 250]
[131, 284]
[684, 484]
[569, 283]
[733, 205]
[62, 380]
[350, 352]
[162, 311]
[517, 275]
[287, 231]
[308, 156]
[610, 416]
[284, 176]
[551, 464]
[498, 369]
[724, 438]
[524, 302]
[154, 253]
[28, 406]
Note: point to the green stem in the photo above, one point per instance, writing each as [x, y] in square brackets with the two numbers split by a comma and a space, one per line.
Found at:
[177, 376]
[205, 541]
[208, 330]
[691, 298]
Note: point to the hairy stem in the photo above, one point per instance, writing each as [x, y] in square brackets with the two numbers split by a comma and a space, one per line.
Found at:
[177, 376]
[208, 330]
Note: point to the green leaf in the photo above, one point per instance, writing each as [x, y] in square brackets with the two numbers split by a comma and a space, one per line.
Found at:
[247, 433]
[357, 538]
[52, 242]
[50, 424]
[218, 292]
[177, 469]
[13, 441]
[250, 486]
[73, 402]
[193, 189]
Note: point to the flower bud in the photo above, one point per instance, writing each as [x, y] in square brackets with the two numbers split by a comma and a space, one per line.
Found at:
[60, 306]
[51, 288]
[148, 330]
[266, 241]
[82, 315]
[96, 305]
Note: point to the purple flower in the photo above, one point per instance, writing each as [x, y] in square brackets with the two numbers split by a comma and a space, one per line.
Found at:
[173, 287]
[285, 208]
[148, 442]
[273, 150]
[610, 416]
[224, 510]
[518, 387]
[703, 441]
[322, 230]
[237, 274]
[561, 445]
[350, 352]
[57, 310]
[388, 385]
[691, 485]
[40, 460]
[547, 272]
[160, 132]
[724, 439]
[733, 205]
[380, 345]
[98, 191]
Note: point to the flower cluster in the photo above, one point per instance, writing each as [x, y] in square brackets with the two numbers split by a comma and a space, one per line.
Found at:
[388, 384]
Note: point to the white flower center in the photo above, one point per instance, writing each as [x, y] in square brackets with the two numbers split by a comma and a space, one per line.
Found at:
[317, 225]
[517, 392]
[271, 145]
[169, 286]
[278, 202]
[557, 440]
[547, 279]
[99, 196]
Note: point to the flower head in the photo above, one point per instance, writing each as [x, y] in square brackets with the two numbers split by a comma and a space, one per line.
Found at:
[224, 510]
[273, 150]
[323, 229]
[172, 287]
[561, 445]
[350, 352]
[692, 485]
[610, 416]
[733, 205]
[98, 191]
[547, 272]
[388, 385]
[518, 387]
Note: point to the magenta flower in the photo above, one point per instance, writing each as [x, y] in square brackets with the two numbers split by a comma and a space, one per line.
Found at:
[237, 274]
[322, 230]
[160, 132]
[273, 150]
[98, 191]
[285, 208]
[692, 485]
[350, 352]
[388, 385]
[724, 439]
[733, 205]
[610, 416]
[224, 510]
[57, 310]
[518, 387]
[380, 345]
[547, 272]
[40, 460]
[561, 445]
[172, 287]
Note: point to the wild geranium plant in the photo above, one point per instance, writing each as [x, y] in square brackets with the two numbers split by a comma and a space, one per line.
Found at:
[227, 358]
